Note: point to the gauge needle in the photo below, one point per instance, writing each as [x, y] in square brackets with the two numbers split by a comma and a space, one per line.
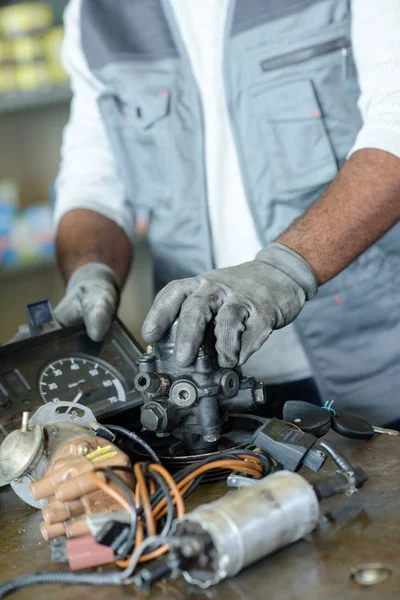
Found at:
[71, 385]
[75, 400]
[78, 397]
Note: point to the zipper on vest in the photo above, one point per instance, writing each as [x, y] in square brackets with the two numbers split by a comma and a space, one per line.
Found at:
[305, 54]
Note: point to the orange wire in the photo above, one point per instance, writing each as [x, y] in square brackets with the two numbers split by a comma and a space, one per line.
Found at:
[180, 505]
[249, 465]
[253, 460]
[184, 484]
[139, 529]
[110, 491]
[218, 464]
[155, 553]
[145, 499]
[146, 557]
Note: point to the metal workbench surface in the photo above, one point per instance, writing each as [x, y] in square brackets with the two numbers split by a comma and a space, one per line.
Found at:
[364, 528]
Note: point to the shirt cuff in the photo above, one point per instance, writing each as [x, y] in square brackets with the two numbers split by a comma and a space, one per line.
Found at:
[381, 138]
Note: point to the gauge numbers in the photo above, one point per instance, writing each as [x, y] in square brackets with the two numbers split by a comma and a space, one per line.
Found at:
[79, 379]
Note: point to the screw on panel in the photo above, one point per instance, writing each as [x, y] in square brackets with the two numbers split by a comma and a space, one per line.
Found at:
[83, 449]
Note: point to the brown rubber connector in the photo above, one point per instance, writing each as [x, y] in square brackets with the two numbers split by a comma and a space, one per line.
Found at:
[51, 531]
[77, 487]
[71, 491]
[61, 511]
[72, 467]
[70, 528]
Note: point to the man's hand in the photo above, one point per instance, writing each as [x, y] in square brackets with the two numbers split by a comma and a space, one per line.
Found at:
[92, 296]
[94, 255]
[247, 301]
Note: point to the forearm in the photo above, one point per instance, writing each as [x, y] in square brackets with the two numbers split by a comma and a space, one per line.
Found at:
[360, 206]
[84, 236]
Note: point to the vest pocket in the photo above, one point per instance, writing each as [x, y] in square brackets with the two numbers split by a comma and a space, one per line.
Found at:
[138, 133]
[296, 139]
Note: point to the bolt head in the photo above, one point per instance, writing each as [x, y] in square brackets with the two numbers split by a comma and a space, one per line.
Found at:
[153, 418]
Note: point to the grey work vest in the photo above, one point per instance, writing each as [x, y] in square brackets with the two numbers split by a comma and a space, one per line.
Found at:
[292, 92]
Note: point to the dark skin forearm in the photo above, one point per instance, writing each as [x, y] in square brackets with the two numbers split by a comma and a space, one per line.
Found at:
[85, 236]
[358, 208]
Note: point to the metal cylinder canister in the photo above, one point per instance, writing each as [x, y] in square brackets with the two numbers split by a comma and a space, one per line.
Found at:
[245, 526]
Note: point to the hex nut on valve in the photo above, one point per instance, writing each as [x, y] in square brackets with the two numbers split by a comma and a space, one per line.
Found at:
[154, 417]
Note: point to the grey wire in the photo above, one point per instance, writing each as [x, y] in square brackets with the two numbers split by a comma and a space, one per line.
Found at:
[154, 540]
[339, 459]
[128, 494]
[170, 505]
[63, 578]
[136, 438]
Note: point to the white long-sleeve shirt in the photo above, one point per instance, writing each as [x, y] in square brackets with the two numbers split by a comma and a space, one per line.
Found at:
[86, 151]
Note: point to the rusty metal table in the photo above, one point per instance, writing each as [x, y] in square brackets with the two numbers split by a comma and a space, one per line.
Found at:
[364, 528]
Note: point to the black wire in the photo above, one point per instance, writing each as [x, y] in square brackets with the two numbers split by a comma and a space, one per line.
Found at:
[112, 578]
[164, 487]
[193, 487]
[136, 438]
[128, 494]
[229, 454]
[146, 578]
[118, 468]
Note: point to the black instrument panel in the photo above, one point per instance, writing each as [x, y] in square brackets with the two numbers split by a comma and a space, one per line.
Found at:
[66, 365]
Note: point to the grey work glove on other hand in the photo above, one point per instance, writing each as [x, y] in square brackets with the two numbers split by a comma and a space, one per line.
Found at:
[92, 296]
[247, 301]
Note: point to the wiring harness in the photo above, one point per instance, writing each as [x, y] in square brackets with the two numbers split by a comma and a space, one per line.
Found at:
[154, 501]
[147, 500]
[158, 497]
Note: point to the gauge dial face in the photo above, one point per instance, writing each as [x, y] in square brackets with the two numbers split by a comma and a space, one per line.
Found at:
[80, 380]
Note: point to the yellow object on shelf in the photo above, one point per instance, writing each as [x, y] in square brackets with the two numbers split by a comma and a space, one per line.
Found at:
[5, 51]
[7, 70]
[27, 49]
[52, 43]
[32, 76]
[8, 79]
[22, 19]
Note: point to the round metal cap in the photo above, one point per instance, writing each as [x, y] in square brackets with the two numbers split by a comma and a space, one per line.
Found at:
[19, 451]
[230, 383]
[183, 394]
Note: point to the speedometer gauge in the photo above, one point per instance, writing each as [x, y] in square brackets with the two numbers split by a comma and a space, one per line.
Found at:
[80, 379]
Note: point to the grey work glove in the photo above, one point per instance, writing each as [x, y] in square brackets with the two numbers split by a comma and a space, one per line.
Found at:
[92, 296]
[247, 301]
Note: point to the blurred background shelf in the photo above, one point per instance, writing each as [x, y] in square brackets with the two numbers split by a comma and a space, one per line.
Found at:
[29, 268]
[49, 96]
[34, 109]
